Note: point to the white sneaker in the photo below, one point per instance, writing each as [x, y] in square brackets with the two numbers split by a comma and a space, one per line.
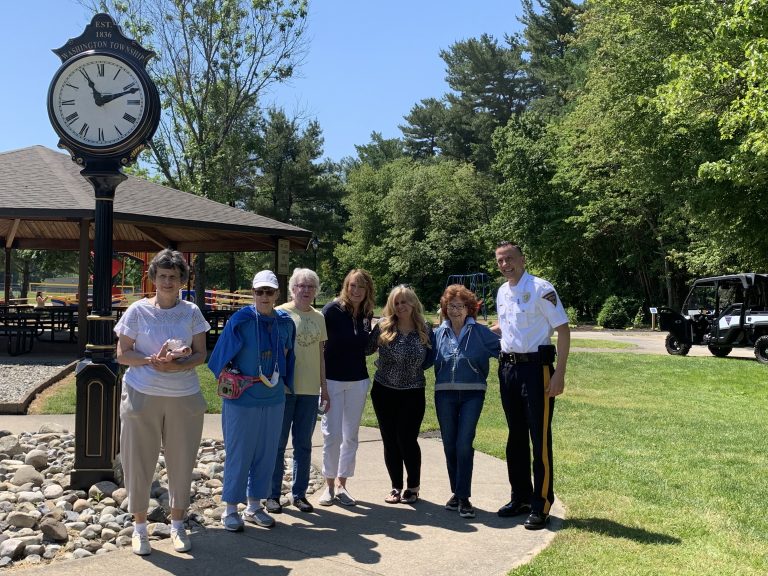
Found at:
[180, 540]
[327, 498]
[140, 544]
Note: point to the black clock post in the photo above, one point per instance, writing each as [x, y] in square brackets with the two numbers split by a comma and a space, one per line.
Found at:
[105, 109]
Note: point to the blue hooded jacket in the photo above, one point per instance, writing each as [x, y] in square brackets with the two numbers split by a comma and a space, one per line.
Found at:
[462, 364]
[230, 343]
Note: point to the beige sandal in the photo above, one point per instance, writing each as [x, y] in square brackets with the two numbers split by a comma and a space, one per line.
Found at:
[393, 497]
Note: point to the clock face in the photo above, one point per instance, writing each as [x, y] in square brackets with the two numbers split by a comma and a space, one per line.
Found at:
[98, 101]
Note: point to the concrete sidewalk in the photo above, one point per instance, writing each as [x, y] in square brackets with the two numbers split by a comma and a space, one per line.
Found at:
[370, 538]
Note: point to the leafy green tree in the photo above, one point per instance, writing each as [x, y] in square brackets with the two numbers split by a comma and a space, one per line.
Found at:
[379, 150]
[628, 176]
[596, 188]
[214, 59]
[284, 156]
[488, 86]
[415, 223]
[552, 63]
[289, 182]
[426, 127]
[37, 265]
[717, 86]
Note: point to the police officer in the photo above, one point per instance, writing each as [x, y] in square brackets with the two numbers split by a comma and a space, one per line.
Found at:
[529, 311]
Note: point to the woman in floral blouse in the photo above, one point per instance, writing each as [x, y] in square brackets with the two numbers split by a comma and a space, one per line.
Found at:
[405, 344]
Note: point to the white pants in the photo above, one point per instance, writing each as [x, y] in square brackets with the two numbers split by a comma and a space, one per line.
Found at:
[340, 426]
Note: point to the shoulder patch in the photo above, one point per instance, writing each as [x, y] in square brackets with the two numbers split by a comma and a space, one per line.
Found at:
[551, 297]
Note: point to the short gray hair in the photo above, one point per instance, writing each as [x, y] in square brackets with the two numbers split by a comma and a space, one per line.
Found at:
[300, 274]
[169, 260]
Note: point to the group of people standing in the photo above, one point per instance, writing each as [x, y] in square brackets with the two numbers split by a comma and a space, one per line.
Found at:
[299, 361]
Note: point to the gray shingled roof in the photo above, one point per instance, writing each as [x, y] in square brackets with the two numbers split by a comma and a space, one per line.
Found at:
[44, 197]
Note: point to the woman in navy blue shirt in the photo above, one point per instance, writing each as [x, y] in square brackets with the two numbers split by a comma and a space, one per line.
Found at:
[348, 323]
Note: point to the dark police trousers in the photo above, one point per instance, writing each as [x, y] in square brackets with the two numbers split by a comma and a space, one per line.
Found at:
[528, 409]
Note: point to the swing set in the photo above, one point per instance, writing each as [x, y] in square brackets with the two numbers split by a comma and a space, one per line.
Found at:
[477, 282]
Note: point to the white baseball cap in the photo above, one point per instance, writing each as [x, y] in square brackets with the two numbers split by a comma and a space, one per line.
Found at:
[265, 278]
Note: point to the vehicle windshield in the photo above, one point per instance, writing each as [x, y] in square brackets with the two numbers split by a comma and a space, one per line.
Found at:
[701, 300]
[713, 298]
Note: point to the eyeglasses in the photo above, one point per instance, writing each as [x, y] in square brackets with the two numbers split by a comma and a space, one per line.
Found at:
[305, 287]
[263, 291]
[456, 306]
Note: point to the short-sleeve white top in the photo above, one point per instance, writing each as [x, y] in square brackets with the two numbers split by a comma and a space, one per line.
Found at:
[150, 327]
[528, 314]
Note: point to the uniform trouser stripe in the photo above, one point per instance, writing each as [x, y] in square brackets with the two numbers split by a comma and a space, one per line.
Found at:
[545, 439]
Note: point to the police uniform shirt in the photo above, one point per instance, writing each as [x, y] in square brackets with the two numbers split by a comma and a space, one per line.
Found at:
[528, 314]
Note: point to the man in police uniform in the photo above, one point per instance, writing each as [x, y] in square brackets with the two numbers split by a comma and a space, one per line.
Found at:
[529, 312]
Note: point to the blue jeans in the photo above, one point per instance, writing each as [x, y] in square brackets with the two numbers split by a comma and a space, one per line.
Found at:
[458, 412]
[299, 419]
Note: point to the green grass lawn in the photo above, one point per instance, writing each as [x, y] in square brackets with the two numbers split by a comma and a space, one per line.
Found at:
[598, 343]
[660, 462]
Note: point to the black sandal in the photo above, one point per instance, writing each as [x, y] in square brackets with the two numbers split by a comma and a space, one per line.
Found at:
[410, 495]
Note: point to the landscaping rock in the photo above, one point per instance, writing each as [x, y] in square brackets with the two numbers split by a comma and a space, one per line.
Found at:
[42, 518]
[54, 530]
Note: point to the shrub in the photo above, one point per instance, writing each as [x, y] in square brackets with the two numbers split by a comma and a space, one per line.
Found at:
[573, 316]
[615, 312]
[639, 320]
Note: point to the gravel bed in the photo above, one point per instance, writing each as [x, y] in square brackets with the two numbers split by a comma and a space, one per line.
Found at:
[43, 519]
[21, 377]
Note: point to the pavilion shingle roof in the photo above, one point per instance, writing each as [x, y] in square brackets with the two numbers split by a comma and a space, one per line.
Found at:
[43, 198]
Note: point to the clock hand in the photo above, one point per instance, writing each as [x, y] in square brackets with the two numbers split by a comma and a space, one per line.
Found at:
[109, 97]
[97, 98]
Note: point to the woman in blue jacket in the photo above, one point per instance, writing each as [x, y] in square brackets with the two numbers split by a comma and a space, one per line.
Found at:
[462, 352]
[258, 341]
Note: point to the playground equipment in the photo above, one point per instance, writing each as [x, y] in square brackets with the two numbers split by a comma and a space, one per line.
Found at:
[477, 282]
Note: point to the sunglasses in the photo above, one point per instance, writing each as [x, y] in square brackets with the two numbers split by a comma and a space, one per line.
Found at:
[263, 291]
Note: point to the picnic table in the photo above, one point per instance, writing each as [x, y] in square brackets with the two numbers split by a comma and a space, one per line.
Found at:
[20, 327]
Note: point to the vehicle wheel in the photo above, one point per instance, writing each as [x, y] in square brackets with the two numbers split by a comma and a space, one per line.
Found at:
[675, 347]
[719, 351]
[761, 349]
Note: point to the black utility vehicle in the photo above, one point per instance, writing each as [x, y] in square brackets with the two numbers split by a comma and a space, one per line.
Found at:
[721, 313]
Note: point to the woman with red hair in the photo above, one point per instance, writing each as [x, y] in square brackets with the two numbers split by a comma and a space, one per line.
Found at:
[463, 348]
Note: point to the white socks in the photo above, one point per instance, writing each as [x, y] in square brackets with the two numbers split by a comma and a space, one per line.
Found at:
[253, 505]
[140, 528]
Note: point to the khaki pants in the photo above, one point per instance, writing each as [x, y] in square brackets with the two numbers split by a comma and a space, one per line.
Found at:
[148, 422]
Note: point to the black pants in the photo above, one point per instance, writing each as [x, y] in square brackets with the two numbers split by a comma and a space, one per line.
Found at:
[528, 409]
[400, 413]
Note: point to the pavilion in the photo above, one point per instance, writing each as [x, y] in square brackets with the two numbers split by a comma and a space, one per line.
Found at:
[45, 204]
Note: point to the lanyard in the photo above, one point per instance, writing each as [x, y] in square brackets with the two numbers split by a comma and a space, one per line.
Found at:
[274, 345]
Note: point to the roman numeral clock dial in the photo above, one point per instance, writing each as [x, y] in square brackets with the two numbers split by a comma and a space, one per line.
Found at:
[99, 103]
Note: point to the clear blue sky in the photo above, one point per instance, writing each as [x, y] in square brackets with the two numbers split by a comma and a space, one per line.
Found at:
[369, 62]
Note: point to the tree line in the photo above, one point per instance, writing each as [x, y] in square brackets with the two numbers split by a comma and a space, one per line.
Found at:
[621, 144]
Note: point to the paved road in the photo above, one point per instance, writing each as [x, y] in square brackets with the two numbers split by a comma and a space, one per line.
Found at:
[644, 342]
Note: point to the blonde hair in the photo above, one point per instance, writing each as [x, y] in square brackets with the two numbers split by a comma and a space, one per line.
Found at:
[388, 323]
[367, 306]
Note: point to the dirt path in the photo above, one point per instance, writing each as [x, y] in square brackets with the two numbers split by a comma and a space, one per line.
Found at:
[644, 342]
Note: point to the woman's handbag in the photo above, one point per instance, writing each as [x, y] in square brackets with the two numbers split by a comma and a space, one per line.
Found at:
[232, 384]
